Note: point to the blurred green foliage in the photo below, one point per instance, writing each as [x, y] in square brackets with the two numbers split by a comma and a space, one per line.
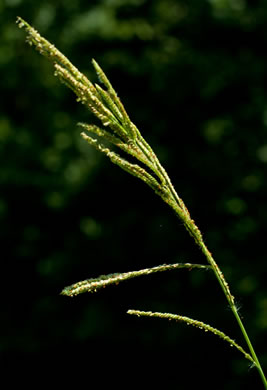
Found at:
[192, 75]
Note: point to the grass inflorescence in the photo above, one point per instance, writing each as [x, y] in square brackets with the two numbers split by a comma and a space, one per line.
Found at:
[117, 129]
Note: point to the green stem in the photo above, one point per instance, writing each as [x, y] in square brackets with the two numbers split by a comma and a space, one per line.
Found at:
[253, 354]
[195, 232]
[230, 300]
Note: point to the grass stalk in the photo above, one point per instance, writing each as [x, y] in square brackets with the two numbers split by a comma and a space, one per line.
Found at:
[250, 346]
[192, 228]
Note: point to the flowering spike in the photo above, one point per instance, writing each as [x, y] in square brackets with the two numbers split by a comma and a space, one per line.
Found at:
[197, 324]
[95, 284]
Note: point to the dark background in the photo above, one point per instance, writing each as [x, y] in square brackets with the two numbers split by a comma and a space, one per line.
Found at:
[193, 77]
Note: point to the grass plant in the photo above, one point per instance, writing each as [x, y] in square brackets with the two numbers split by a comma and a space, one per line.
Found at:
[119, 130]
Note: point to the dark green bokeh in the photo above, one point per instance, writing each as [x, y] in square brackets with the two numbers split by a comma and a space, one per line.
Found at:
[192, 75]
